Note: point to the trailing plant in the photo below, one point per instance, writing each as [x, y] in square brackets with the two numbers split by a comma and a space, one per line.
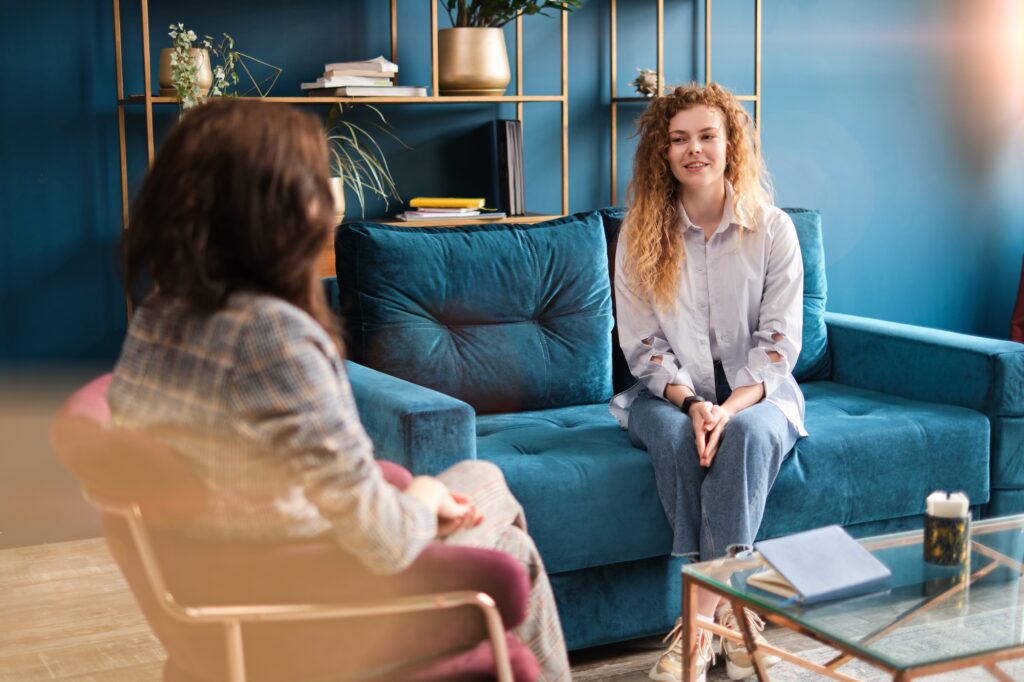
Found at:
[357, 157]
[185, 72]
[225, 75]
[497, 13]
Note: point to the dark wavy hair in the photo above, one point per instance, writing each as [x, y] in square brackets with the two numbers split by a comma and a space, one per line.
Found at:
[238, 199]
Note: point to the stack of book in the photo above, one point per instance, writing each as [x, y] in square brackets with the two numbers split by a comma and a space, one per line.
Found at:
[508, 143]
[446, 208]
[369, 78]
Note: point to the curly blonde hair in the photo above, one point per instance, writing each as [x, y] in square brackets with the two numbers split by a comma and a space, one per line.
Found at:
[654, 247]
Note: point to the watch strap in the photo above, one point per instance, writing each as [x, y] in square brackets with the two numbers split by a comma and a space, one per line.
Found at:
[689, 401]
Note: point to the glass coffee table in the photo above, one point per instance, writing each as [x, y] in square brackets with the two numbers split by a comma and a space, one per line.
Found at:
[931, 619]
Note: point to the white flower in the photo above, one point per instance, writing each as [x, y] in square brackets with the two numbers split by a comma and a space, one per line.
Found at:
[191, 36]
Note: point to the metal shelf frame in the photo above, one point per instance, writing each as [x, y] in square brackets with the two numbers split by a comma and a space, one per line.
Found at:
[660, 46]
[148, 100]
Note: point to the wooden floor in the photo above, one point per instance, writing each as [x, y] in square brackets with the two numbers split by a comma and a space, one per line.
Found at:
[66, 614]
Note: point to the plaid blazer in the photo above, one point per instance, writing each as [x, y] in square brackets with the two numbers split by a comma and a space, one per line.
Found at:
[256, 398]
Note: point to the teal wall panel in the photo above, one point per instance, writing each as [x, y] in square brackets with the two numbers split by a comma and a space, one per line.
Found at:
[863, 119]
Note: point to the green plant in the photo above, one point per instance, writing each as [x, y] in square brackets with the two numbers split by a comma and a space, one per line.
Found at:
[225, 77]
[185, 72]
[497, 13]
[357, 157]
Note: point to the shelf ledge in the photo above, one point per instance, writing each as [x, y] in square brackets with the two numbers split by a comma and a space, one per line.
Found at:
[141, 99]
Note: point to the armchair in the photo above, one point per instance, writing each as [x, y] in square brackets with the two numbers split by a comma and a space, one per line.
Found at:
[300, 610]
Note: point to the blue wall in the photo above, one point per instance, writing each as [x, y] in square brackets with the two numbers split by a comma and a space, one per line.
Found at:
[861, 120]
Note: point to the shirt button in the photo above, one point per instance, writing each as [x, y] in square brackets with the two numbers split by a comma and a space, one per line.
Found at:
[700, 268]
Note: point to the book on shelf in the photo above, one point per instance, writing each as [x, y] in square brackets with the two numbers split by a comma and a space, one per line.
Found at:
[507, 166]
[447, 209]
[369, 91]
[339, 81]
[818, 565]
[413, 216]
[377, 64]
[438, 213]
[334, 73]
[447, 202]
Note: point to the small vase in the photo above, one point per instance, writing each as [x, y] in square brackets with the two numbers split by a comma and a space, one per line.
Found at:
[472, 61]
[338, 192]
[204, 76]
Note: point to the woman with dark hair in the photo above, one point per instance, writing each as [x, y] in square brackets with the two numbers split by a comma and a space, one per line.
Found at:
[233, 359]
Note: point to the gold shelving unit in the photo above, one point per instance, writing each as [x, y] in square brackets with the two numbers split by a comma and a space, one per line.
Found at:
[148, 101]
[660, 46]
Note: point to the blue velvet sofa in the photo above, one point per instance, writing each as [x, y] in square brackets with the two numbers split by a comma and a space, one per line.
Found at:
[497, 342]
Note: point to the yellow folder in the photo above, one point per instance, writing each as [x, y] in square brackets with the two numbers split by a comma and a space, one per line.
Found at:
[446, 202]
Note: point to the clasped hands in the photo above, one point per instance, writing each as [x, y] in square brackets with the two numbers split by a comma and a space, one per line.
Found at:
[709, 422]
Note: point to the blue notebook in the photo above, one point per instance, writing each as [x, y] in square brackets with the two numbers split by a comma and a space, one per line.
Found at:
[818, 565]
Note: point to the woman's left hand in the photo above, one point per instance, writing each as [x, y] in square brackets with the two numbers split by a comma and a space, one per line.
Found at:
[720, 417]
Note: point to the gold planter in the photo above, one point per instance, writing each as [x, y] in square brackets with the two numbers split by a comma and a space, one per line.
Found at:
[472, 61]
[204, 77]
[338, 192]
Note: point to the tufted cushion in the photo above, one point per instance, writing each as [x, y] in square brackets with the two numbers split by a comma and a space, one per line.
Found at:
[504, 317]
[874, 456]
[590, 497]
[814, 361]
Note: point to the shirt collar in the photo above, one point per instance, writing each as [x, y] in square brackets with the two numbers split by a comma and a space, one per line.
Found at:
[728, 215]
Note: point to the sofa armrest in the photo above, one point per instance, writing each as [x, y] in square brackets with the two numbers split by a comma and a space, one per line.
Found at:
[936, 366]
[417, 427]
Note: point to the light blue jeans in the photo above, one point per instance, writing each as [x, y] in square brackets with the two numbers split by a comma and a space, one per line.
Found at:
[715, 511]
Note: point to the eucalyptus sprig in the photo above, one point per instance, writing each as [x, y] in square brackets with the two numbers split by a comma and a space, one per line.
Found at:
[497, 13]
[357, 157]
[225, 74]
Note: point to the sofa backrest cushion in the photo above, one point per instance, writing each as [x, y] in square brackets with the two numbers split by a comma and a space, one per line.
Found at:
[506, 317]
[814, 361]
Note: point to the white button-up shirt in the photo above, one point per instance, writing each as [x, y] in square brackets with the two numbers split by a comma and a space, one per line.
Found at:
[736, 291]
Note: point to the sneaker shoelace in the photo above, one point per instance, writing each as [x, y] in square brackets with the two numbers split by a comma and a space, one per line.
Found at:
[729, 620]
[704, 649]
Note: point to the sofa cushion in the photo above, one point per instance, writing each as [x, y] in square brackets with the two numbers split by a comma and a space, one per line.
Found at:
[590, 497]
[814, 361]
[505, 317]
[874, 456]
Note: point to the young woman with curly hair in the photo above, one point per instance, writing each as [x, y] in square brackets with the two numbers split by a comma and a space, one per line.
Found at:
[709, 295]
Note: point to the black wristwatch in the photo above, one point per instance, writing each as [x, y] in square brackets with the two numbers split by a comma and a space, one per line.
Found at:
[689, 401]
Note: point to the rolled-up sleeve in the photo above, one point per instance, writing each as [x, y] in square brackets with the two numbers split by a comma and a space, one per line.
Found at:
[648, 353]
[291, 394]
[780, 326]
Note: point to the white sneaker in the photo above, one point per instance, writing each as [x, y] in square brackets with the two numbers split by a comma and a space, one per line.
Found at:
[739, 664]
[669, 667]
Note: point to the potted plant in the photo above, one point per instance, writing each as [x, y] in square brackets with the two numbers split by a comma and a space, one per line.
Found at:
[192, 73]
[472, 59]
[185, 70]
[357, 160]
